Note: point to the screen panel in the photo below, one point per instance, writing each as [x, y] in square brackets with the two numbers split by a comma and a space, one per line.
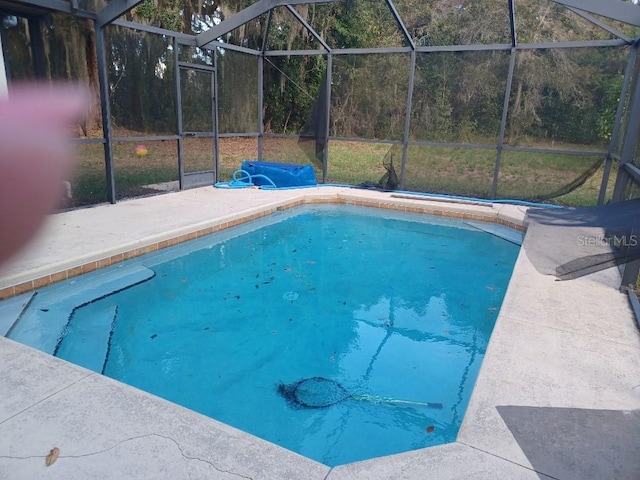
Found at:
[143, 87]
[354, 163]
[233, 151]
[143, 169]
[565, 98]
[458, 96]
[550, 177]
[448, 170]
[369, 96]
[237, 92]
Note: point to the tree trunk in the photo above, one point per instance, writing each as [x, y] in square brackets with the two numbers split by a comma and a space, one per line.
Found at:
[515, 113]
[94, 118]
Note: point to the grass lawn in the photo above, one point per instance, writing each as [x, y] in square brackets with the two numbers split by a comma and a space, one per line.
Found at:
[447, 170]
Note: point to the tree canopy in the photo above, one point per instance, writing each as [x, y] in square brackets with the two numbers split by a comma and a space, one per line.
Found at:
[558, 94]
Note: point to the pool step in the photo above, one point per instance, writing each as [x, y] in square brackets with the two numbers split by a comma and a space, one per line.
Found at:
[86, 341]
[43, 323]
[509, 234]
[11, 310]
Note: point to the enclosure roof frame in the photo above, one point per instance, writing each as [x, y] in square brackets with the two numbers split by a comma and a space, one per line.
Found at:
[613, 9]
[243, 16]
[608, 28]
[114, 10]
[111, 14]
[183, 38]
[401, 24]
[309, 28]
[45, 6]
[230, 46]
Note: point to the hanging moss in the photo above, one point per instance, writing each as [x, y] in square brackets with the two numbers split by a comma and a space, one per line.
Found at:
[163, 14]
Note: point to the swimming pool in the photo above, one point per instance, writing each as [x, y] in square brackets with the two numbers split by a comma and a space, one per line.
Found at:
[369, 299]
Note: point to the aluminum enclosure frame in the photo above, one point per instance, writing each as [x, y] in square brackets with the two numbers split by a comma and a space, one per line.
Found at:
[111, 13]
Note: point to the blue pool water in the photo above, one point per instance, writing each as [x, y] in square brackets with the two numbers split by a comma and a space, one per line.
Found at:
[390, 305]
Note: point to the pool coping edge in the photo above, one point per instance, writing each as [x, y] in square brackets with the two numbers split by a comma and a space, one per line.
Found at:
[56, 272]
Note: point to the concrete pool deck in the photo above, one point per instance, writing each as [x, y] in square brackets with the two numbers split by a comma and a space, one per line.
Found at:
[558, 395]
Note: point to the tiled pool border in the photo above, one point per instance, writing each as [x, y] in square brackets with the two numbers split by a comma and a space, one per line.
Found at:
[222, 224]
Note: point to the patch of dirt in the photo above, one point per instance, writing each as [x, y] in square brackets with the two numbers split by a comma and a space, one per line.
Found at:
[239, 146]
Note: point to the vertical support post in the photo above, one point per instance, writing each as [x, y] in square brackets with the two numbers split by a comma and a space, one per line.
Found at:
[606, 173]
[179, 126]
[4, 85]
[507, 98]
[325, 155]
[512, 24]
[630, 274]
[265, 38]
[265, 34]
[105, 104]
[216, 130]
[260, 104]
[37, 49]
[213, 103]
[630, 142]
[407, 118]
[503, 122]
[615, 133]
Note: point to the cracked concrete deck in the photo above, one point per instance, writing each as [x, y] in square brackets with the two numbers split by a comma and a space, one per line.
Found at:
[558, 395]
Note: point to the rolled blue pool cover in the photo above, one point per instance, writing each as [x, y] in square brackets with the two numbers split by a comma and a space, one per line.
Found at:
[282, 174]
